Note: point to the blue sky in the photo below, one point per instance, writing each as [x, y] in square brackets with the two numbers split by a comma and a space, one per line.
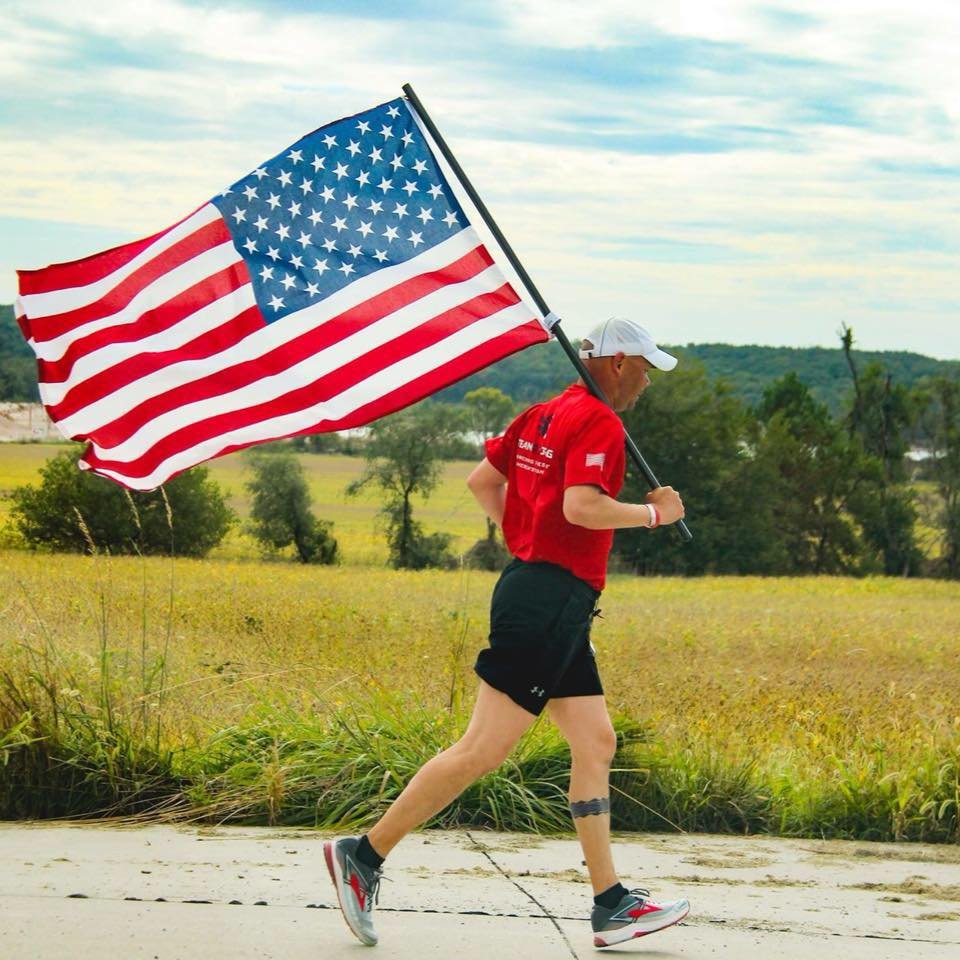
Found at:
[721, 171]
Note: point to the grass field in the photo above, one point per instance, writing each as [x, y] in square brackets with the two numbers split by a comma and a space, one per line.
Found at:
[816, 692]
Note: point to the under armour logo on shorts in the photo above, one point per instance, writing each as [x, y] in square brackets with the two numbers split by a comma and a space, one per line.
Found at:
[595, 459]
[538, 691]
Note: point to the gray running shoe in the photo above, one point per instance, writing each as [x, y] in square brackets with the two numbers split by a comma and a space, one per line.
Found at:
[357, 886]
[635, 915]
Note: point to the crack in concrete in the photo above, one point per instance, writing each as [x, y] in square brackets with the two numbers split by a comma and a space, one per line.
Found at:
[482, 848]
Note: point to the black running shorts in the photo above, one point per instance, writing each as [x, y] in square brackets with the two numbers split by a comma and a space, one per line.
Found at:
[540, 616]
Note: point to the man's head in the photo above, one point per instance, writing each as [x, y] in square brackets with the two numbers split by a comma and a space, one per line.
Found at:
[619, 353]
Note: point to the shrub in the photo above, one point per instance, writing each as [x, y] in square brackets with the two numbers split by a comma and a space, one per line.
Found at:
[76, 511]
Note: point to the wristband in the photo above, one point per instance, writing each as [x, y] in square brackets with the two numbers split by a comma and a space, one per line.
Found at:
[654, 515]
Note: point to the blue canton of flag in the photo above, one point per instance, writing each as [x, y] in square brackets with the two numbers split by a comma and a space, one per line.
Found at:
[344, 201]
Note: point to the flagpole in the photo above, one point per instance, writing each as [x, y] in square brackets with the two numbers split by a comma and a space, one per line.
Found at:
[561, 336]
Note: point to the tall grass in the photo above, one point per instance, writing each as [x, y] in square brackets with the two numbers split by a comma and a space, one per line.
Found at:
[258, 693]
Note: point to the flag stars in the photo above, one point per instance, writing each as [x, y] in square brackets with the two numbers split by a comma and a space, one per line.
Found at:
[259, 173]
[354, 148]
[385, 184]
[394, 112]
[435, 191]
[411, 187]
[285, 179]
[451, 219]
[295, 156]
[330, 141]
[375, 155]
[239, 214]
[415, 238]
[296, 261]
[396, 162]
[425, 215]
[376, 206]
[364, 178]
[315, 217]
[261, 224]
[294, 209]
[250, 192]
[407, 139]
[400, 210]
[274, 201]
[346, 269]
[251, 245]
[363, 127]
[391, 234]
[381, 255]
[350, 201]
[365, 228]
[288, 282]
[318, 163]
[329, 246]
[273, 253]
[327, 194]
[283, 231]
[276, 302]
[304, 240]
[341, 171]
[306, 186]
[339, 224]
[420, 166]
[313, 289]
[355, 251]
[386, 132]
[266, 273]
[321, 267]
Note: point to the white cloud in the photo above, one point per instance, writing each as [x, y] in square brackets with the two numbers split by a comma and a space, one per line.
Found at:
[798, 223]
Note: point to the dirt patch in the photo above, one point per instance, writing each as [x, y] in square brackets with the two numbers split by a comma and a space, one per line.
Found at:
[947, 853]
[767, 881]
[917, 886]
[507, 844]
[727, 861]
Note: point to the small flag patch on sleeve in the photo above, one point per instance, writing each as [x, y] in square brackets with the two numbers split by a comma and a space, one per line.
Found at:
[595, 459]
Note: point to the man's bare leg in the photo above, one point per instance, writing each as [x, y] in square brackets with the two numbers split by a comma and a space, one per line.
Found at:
[585, 724]
[495, 727]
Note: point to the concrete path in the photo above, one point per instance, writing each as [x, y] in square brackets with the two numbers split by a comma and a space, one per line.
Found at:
[184, 893]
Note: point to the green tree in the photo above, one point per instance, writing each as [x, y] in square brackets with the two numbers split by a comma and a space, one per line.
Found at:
[940, 399]
[817, 469]
[881, 414]
[280, 513]
[489, 410]
[404, 458]
[695, 435]
[74, 510]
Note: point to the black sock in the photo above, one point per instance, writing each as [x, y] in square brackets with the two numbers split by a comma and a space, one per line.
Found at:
[610, 898]
[369, 857]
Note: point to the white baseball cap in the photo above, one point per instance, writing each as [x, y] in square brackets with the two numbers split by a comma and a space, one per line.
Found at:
[619, 335]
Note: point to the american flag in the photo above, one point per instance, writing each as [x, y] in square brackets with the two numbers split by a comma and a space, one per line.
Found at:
[336, 283]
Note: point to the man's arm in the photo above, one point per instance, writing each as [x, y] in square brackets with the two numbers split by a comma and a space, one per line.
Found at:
[489, 486]
[588, 506]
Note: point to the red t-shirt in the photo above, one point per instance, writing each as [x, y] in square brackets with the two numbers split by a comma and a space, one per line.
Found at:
[569, 440]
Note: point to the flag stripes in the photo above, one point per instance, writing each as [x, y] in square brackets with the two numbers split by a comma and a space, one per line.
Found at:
[162, 387]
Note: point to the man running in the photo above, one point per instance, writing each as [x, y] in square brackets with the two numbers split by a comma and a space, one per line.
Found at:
[550, 482]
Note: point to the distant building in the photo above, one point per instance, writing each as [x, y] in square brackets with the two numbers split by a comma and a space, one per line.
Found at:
[24, 422]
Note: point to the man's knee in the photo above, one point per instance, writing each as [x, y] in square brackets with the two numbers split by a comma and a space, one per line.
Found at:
[594, 747]
[483, 757]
